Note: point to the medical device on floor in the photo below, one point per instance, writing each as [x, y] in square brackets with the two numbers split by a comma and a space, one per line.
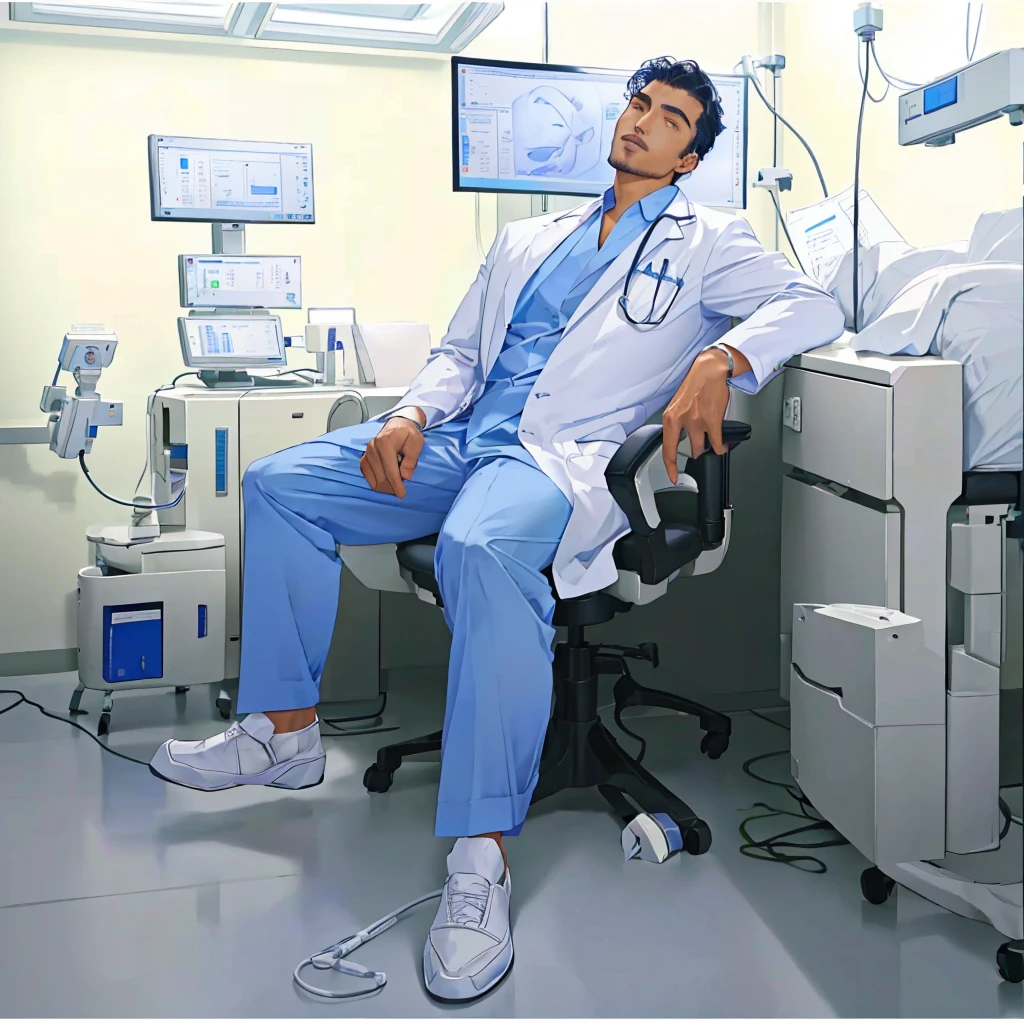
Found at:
[979, 92]
[151, 608]
[334, 957]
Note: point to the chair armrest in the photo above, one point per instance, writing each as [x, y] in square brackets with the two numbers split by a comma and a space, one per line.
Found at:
[636, 472]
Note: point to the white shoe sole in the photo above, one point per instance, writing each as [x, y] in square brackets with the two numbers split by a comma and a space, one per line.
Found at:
[298, 773]
[447, 989]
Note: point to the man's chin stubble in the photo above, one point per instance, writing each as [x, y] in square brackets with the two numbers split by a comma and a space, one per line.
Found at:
[622, 165]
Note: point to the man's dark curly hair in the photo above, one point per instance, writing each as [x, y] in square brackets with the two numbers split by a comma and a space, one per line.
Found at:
[687, 75]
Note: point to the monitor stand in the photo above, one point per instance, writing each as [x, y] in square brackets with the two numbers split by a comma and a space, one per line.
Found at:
[243, 379]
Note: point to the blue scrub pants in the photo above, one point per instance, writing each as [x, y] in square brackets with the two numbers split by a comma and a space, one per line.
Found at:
[499, 519]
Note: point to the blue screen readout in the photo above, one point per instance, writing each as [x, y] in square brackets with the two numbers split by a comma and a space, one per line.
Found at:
[939, 96]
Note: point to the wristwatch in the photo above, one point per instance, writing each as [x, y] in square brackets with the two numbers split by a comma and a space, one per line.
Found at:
[725, 349]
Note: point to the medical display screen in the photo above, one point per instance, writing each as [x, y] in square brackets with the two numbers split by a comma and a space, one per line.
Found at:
[548, 128]
[225, 342]
[267, 282]
[938, 96]
[232, 182]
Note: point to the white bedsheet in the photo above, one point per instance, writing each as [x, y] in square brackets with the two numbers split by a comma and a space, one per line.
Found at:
[962, 302]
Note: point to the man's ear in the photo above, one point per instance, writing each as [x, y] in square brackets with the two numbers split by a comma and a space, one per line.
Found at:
[687, 163]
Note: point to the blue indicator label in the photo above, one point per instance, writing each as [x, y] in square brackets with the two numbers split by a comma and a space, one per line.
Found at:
[221, 460]
[939, 96]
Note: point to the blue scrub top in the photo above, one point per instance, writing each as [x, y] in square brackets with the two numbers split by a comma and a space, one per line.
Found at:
[545, 306]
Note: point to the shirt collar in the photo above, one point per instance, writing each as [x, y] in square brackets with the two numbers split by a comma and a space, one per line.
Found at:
[651, 206]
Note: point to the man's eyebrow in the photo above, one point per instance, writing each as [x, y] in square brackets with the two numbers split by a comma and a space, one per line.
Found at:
[677, 112]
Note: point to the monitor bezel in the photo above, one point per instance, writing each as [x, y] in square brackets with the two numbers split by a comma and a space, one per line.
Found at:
[182, 286]
[458, 62]
[203, 218]
[227, 362]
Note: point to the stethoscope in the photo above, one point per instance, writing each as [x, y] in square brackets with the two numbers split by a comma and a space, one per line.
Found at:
[661, 277]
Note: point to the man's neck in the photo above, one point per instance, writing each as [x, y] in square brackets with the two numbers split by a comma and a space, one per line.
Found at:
[629, 189]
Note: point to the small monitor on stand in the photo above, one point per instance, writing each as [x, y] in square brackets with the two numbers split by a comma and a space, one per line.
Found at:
[229, 184]
[224, 348]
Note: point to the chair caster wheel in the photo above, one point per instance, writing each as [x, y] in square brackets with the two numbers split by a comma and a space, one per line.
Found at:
[876, 886]
[1010, 960]
[376, 780]
[697, 839]
[714, 744]
[104, 724]
[224, 707]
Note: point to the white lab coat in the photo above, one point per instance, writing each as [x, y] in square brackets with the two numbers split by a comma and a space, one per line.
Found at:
[607, 377]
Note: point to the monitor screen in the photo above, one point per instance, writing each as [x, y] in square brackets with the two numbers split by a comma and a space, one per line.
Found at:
[265, 282]
[548, 128]
[212, 343]
[231, 182]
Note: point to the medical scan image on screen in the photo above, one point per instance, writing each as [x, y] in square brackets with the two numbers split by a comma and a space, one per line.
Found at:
[526, 129]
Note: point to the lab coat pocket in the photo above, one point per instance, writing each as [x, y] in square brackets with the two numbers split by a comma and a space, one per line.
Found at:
[654, 293]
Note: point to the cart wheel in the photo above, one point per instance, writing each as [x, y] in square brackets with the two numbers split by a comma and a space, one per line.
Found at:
[876, 886]
[104, 724]
[1010, 960]
[714, 744]
[224, 707]
[182, 689]
[376, 780]
[697, 838]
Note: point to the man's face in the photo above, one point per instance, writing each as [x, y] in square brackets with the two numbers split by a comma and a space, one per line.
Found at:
[658, 124]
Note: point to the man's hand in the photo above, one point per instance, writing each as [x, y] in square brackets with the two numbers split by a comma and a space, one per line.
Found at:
[698, 407]
[391, 457]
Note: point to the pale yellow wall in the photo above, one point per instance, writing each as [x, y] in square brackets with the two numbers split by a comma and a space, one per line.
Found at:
[391, 237]
[930, 195]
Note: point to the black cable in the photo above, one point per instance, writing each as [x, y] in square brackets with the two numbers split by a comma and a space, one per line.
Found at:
[769, 849]
[1008, 818]
[22, 699]
[336, 722]
[856, 192]
[782, 221]
[803, 141]
[125, 504]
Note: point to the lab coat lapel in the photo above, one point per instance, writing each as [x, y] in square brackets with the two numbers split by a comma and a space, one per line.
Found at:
[668, 228]
[524, 264]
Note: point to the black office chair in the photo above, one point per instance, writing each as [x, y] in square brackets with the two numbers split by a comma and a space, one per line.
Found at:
[676, 531]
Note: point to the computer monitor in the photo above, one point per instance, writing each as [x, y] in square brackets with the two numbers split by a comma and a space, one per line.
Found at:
[231, 343]
[216, 180]
[548, 128]
[262, 282]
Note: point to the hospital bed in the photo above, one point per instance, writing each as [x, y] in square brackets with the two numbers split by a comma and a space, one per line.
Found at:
[904, 492]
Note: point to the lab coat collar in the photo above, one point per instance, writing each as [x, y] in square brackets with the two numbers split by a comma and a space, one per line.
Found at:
[651, 206]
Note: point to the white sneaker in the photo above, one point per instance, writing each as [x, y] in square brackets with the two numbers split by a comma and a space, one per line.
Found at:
[469, 948]
[249, 753]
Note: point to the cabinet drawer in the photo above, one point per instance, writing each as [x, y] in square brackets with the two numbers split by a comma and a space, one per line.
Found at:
[846, 431]
[883, 788]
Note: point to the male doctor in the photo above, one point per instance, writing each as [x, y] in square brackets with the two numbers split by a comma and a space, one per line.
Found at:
[500, 447]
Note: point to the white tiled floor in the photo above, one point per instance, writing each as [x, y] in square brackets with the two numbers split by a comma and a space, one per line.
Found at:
[120, 896]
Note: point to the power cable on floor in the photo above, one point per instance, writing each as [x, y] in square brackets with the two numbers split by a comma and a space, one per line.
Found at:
[334, 723]
[22, 699]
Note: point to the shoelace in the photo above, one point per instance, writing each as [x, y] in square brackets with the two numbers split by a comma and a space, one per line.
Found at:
[467, 898]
